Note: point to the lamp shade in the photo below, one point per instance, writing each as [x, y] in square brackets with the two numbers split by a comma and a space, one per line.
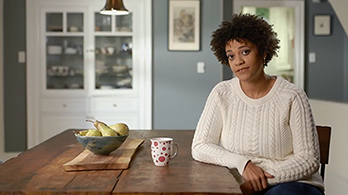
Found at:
[114, 7]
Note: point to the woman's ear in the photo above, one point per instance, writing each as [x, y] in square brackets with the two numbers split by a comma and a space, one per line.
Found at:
[264, 55]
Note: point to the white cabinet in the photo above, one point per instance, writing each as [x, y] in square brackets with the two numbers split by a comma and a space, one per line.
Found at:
[52, 125]
[84, 65]
[131, 119]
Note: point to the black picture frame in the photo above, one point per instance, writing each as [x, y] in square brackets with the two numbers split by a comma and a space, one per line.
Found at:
[322, 25]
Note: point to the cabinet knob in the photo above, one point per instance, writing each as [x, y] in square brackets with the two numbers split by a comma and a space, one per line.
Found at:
[115, 105]
[64, 105]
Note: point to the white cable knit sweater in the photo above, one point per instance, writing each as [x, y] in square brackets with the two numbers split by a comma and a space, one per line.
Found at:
[276, 132]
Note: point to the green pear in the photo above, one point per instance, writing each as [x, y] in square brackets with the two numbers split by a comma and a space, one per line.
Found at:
[104, 129]
[120, 128]
[93, 132]
[83, 133]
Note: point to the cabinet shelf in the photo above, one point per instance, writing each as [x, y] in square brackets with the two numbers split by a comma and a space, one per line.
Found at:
[113, 87]
[122, 54]
[109, 33]
[115, 75]
[65, 54]
[64, 34]
[65, 76]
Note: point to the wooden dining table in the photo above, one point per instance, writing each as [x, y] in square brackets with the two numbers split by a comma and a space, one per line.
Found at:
[39, 170]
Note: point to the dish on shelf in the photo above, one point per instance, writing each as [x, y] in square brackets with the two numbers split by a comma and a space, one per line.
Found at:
[107, 50]
[70, 50]
[131, 72]
[54, 49]
[123, 29]
[119, 68]
[124, 82]
[73, 29]
[58, 71]
[75, 86]
[78, 71]
[101, 70]
[55, 28]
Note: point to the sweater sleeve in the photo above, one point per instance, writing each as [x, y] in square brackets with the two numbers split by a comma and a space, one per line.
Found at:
[206, 141]
[306, 157]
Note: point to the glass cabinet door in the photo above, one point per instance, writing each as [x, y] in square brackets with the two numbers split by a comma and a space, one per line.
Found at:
[113, 53]
[74, 22]
[64, 51]
[123, 23]
[54, 22]
[102, 23]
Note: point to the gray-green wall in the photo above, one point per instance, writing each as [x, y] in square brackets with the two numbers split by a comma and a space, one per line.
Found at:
[325, 78]
[179, 92]
[14, 76]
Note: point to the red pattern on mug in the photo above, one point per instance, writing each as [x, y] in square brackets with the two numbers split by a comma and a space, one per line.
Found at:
[161, 158]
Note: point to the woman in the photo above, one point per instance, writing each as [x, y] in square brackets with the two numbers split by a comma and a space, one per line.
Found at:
[258, 125]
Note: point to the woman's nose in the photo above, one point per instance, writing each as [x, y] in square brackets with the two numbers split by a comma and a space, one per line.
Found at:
[239, 61]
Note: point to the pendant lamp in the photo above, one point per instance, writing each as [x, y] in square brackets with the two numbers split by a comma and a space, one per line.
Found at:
[114, 7]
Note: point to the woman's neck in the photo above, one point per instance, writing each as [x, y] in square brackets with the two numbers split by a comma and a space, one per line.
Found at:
[258, 88]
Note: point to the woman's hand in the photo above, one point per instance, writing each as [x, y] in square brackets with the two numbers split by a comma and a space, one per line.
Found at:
[246, 188]
[256, 176]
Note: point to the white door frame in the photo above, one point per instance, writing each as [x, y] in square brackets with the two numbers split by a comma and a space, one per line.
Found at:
[299, 52]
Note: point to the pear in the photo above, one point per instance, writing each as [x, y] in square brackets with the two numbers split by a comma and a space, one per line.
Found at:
[120, 128]
[93, 132]
[82, 133]
[104, 129]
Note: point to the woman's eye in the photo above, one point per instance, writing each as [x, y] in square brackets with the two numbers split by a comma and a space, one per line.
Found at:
[230, 57]
[245, 52]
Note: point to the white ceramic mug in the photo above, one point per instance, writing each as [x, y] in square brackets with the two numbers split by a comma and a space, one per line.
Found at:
[163, 149]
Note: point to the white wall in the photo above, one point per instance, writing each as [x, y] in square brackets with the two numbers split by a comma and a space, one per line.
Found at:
[340, 7]
[335, 115]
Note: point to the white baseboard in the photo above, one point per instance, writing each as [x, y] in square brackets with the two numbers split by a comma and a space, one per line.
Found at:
[335, 184]
[6, 156]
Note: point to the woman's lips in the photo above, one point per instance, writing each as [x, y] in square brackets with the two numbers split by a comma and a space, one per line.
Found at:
[243, 69]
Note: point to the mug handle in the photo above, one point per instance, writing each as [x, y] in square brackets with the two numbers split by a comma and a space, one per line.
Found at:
[176, 151]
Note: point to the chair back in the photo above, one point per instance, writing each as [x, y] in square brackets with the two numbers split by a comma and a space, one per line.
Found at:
[324, 134]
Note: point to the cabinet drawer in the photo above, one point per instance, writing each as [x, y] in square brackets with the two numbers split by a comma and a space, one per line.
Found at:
[64, 105]
[131, 120]
[114, 105]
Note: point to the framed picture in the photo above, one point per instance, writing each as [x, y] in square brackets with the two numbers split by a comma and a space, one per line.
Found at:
[322, 25]
[184, 25]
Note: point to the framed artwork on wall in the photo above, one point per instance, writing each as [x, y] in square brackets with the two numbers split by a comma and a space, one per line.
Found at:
[184, 25]
[322, 25]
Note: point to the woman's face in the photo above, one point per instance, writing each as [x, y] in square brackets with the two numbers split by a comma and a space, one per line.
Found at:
[244, 60]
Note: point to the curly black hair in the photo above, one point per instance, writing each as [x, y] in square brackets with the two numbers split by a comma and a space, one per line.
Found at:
[245, 27]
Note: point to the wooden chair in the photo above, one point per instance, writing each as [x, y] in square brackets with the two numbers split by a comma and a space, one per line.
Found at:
[324, 134]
